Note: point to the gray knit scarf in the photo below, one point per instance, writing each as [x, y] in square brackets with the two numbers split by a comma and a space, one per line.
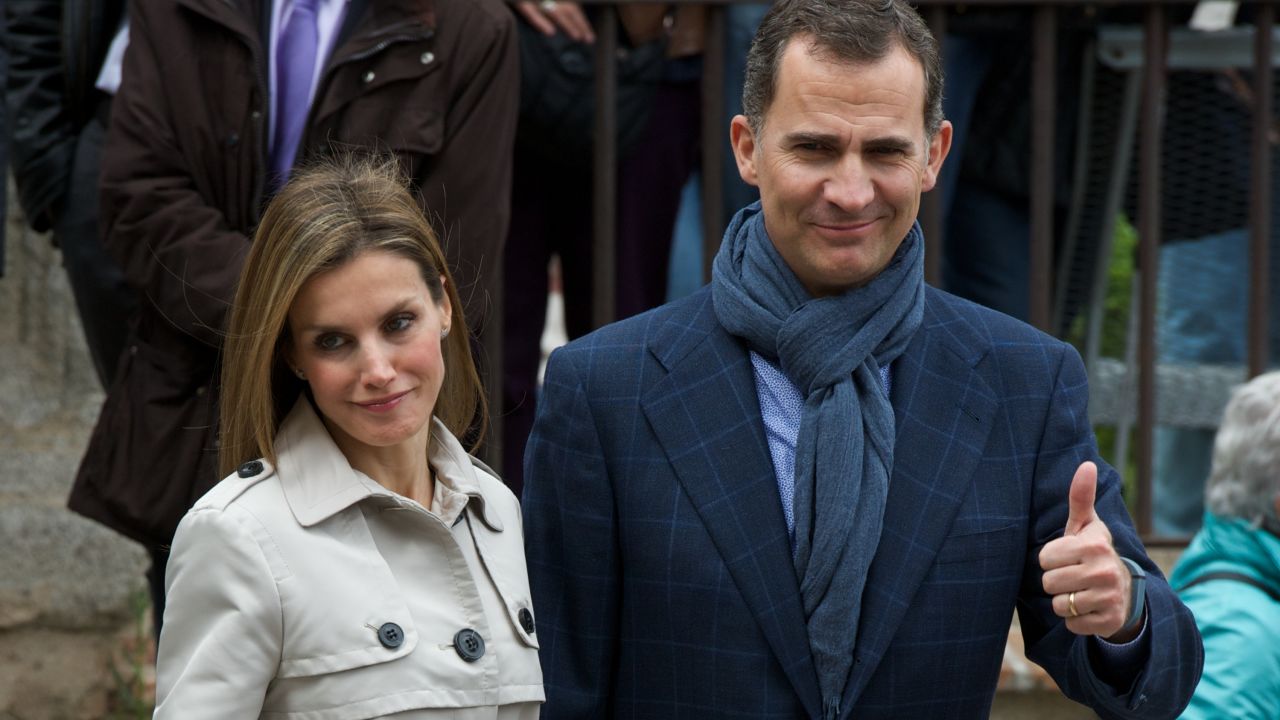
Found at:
[832, 348]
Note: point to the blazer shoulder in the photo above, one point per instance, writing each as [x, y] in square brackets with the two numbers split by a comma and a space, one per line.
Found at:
[978, 327]
[662, 328]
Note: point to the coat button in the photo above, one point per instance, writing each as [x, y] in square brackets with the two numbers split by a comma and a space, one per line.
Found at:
[526, 620]
[368, 77]
[390, 635]
[427, 57]
[469, 644]
[249, 469]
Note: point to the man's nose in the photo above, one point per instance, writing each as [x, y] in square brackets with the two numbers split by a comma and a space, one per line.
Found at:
[850, 187]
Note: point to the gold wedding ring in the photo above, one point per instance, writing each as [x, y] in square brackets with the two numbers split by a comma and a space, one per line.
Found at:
[1071, 605]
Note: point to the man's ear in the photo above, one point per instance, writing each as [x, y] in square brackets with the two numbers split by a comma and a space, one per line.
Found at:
[744, 148]
[939, 146]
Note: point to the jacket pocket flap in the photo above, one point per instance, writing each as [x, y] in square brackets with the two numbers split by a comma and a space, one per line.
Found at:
[976, 544]
[374, 652]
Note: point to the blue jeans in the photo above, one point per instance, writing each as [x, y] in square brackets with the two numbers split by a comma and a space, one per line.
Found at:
[1203, 306]
[987, 235]
[741, 22]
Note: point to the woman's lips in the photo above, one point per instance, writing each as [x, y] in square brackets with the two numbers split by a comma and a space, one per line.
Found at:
[383, 404]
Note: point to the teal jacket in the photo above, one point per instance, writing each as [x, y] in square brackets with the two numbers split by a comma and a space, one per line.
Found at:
[1240, 623]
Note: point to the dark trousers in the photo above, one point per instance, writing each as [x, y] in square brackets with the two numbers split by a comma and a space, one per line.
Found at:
[551, 216]
[105, 302]
[155, 585]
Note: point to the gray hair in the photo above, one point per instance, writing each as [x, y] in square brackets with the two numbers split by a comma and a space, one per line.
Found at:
[1246, 455]
[854, 31]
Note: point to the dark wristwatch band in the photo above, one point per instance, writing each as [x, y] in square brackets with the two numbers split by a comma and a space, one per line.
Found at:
[1137, 594]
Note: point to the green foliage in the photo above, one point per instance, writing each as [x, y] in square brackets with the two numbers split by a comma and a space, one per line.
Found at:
[131, 699]
[1115, 328]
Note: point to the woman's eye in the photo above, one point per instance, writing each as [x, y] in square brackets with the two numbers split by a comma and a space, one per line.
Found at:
[329, 342]
[399, 323]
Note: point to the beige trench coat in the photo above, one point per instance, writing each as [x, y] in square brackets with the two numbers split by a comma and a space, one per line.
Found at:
[310, 592]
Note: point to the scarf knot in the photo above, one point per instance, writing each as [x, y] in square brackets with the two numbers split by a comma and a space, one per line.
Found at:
[832, 349]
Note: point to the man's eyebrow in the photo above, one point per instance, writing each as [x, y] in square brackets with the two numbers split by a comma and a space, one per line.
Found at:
[817, 138]
[891, 142]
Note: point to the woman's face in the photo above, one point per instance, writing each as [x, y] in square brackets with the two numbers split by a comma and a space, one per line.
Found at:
[367, 338]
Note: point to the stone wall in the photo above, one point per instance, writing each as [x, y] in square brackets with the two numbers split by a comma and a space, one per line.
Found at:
[72, 593]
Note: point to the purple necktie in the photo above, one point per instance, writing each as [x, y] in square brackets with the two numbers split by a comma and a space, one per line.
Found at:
[295, 67]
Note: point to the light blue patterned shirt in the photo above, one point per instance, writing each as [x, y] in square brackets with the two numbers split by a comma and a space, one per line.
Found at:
[780, 406]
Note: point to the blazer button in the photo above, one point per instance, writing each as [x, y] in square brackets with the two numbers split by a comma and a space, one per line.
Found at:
[249, 469]
[390, 635]
[469, 644]
[368, 77]
[526, 620]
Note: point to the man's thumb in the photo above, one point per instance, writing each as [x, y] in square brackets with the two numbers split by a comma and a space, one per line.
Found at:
[1084, 489]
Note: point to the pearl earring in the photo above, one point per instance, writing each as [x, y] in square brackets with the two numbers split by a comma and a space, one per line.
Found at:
[301, 375]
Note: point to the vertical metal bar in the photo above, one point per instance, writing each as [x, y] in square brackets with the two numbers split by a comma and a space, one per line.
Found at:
[1259, 205]
[1043, 101]
[604, 210]
[714, 134]
[1151, 133]
[931, 204]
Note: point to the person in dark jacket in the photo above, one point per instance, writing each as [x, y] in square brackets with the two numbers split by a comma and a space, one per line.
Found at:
[220, 101]
[58, 51]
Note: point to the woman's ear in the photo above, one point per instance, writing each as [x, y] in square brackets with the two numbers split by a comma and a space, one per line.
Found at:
[289, 357]
[446, 309]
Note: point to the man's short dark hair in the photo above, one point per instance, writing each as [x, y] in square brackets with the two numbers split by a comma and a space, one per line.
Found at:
[853, 31]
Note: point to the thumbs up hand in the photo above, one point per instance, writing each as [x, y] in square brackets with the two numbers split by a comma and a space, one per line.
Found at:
[1082, 571]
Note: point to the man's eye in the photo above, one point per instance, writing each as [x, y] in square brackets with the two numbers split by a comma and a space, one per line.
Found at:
[399, 323]
[329, 342]
[809, 147]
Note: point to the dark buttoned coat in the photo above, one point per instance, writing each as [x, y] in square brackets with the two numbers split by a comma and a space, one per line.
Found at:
[660, 561]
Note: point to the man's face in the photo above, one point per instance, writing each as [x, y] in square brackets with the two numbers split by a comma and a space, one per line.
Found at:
[840, 160]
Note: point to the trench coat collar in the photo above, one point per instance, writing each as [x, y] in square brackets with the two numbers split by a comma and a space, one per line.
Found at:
[318, 482]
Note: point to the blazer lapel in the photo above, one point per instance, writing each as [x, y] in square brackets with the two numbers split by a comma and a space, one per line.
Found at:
[706, 415]
[944, 412]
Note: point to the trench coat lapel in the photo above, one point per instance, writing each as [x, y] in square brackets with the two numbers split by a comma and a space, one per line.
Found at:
[706, 415]
[944, 412]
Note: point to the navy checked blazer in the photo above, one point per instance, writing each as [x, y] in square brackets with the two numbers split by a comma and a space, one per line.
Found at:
[659, 560]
